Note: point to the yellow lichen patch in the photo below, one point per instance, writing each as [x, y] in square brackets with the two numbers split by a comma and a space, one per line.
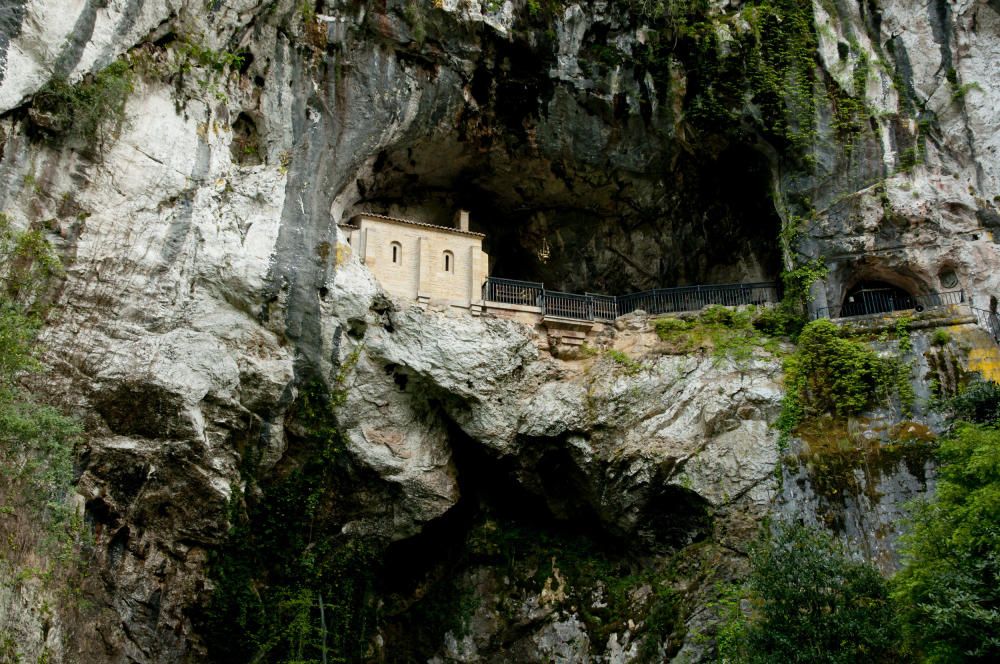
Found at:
[986, 361]
[343, 253]
[980, 352]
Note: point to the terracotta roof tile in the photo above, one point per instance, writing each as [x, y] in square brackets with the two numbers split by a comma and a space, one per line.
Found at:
[408, 222]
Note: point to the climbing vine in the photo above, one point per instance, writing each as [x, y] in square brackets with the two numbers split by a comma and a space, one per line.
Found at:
[755, 65]
[573, 566]
[829, 373]
[799, 281]
[287, 587]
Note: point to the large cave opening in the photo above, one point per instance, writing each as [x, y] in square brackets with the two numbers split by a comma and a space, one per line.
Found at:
[520, 530]
[586, 227]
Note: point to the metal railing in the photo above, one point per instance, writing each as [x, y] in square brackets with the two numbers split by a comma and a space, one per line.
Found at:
[592, 306]
[693, 298]
[603, 307]
[883, 301]
[509, 291]
[989, 321]
[567, 305]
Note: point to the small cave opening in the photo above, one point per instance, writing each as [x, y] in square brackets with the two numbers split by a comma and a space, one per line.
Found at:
[117, 546]
[582, 227]
[876, 297]
[518, 528]
[245, 146]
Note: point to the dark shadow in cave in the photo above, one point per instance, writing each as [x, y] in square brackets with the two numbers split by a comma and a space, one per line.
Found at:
[501, 514]
[875, 297]
[246, 147]
[609, 230]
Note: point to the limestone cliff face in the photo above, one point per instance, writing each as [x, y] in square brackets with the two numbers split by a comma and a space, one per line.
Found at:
[208, 297]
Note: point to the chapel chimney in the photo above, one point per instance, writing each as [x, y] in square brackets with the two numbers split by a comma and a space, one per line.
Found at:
[462, 219]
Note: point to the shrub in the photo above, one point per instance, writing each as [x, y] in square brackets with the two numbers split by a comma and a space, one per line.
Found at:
[730, 332]
[778, 322]
[194, 54]
[624, 361]
[17, 332]
[809, 602]
[948, 586]
[940, 338]
[669, 329]
[978, 403]
[36, 441]
[36, 456]
[27, 264]
[717, 315]
[87, 114]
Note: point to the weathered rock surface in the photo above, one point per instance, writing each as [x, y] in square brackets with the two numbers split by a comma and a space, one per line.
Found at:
[202, 292]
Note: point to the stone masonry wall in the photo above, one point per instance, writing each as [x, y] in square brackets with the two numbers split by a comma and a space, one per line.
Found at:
[421, 270]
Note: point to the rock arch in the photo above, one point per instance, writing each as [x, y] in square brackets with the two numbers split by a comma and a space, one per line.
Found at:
[876, 284]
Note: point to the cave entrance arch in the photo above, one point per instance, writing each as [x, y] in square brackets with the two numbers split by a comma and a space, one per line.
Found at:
[582, 226]
[876, 297]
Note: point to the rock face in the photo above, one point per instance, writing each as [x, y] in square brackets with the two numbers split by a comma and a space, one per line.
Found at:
[208, 297]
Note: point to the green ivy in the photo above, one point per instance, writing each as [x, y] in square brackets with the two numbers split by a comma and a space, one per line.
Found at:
[584, 565]
[902, 334]
[289, 586]
[832, 374]
[757, 65]
[799, 281]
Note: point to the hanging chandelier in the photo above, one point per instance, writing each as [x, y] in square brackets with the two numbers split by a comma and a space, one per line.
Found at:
[543, 251]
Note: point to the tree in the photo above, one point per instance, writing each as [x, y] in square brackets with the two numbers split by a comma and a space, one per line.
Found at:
[948, 589]
[809, 602]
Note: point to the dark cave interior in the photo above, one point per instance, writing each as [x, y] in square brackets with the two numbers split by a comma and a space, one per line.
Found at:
[872, 297]
[605, 231]
[522, 517]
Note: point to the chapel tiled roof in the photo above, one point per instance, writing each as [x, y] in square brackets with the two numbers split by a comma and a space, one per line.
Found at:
[408, 222]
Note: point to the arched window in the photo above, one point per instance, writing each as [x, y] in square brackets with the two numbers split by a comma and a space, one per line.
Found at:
[397, 253]
[449, 261]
